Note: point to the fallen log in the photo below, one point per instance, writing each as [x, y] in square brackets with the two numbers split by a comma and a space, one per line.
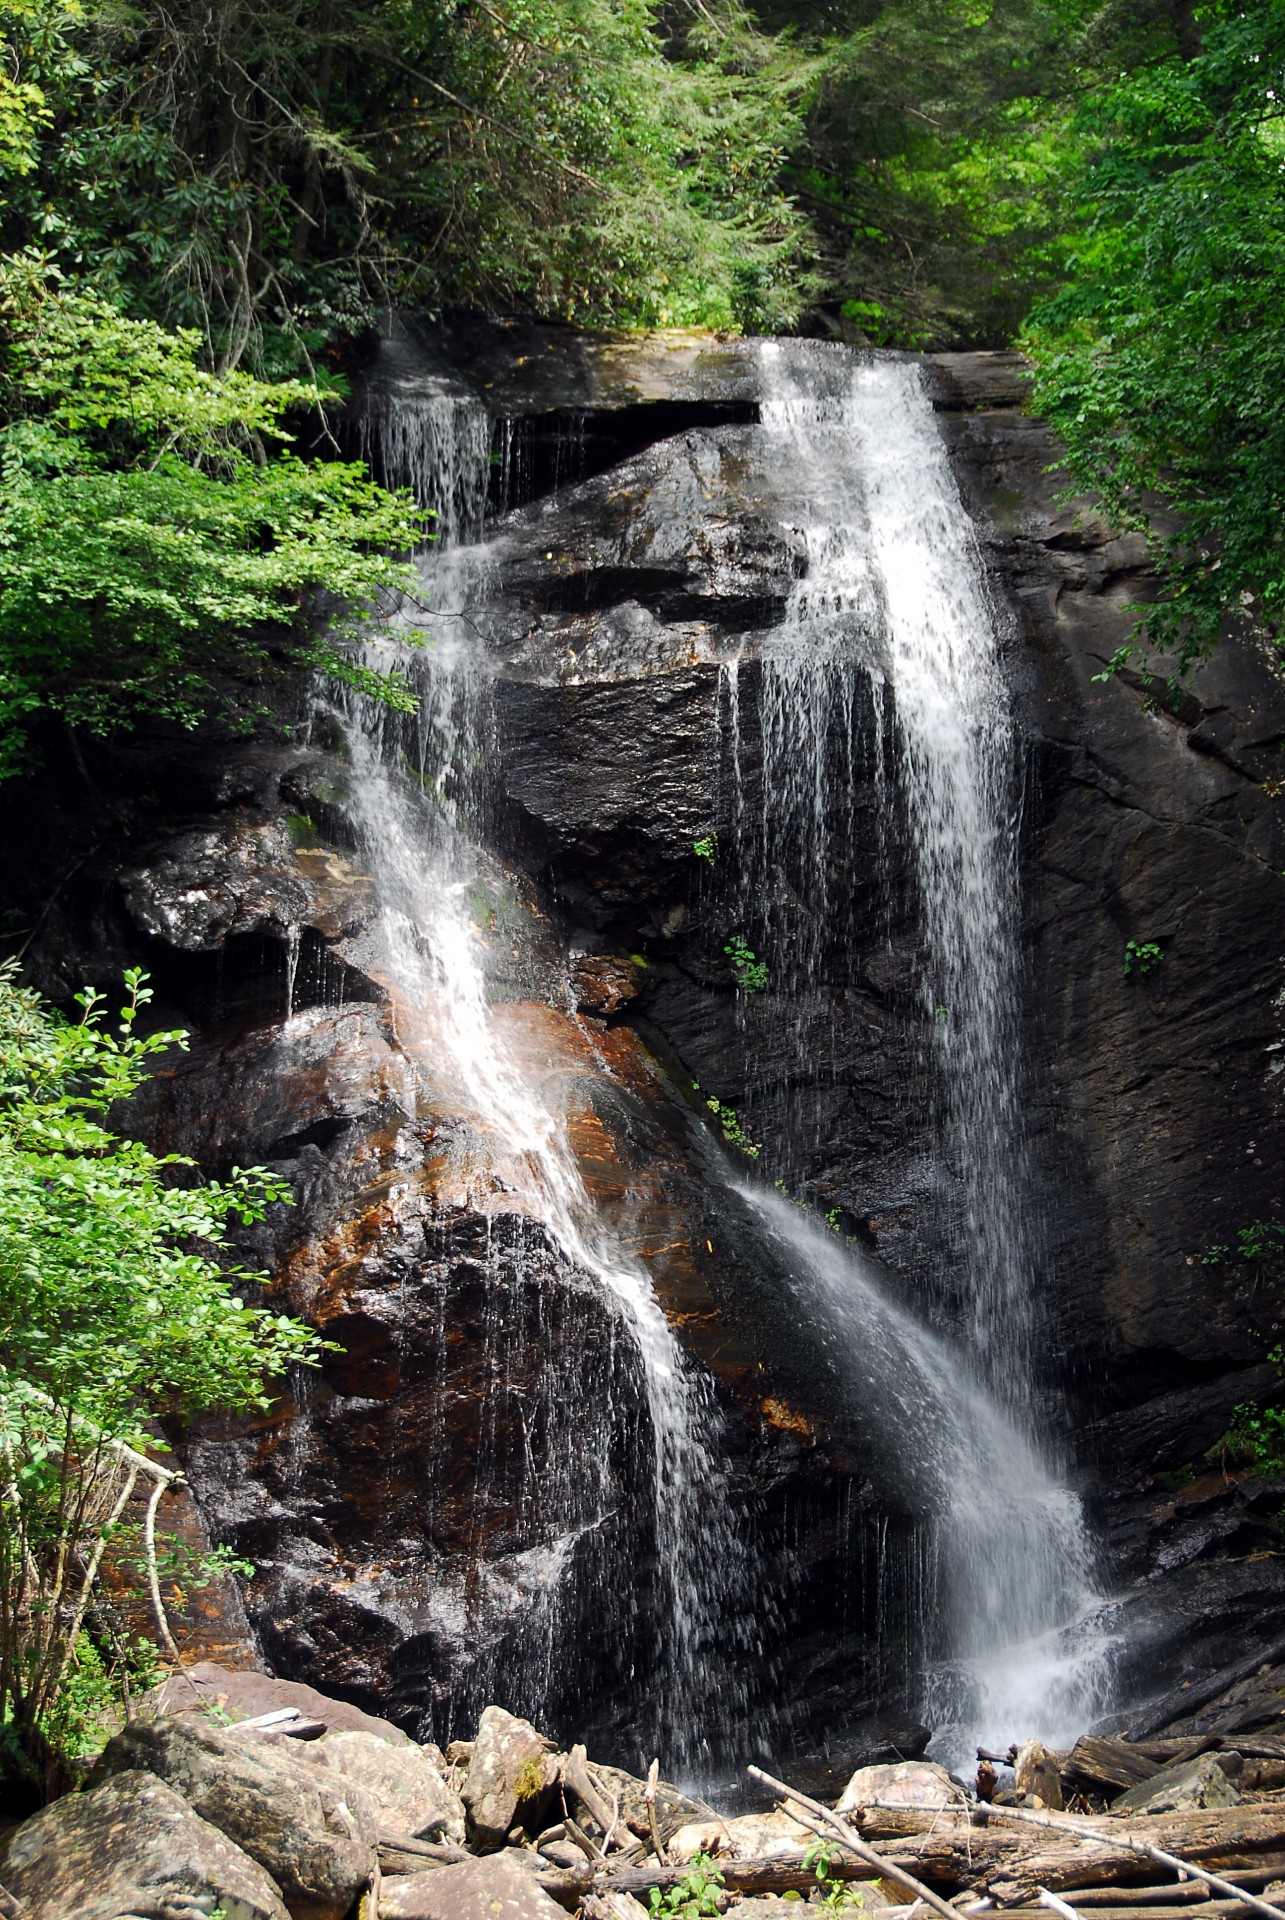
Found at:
[1207, 1834]
[1181, 1890]
[1206, 1910]
[400, 1853]
[771, 1875]
[1111, 1763]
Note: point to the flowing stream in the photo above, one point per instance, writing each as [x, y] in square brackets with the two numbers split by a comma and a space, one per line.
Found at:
[889, 616]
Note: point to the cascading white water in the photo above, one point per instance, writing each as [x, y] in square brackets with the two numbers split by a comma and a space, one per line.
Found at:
[410, 805]
[893, 589]
[887, 619]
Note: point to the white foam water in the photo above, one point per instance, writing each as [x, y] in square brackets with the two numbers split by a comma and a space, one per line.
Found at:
[894, 590]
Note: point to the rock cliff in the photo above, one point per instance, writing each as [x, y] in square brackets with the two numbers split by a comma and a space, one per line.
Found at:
[409, 1510]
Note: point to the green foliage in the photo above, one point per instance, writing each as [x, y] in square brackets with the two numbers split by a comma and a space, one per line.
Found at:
[1264, 1240]
[749, 972]
[730, 1123]
[151, 542]
[1255, 1438]
[934, 150]
[706, 848]
[275, 174]
[692, 1897]
[836, 1895]
[1141, 957]
[1159, 362]
[116, 1310]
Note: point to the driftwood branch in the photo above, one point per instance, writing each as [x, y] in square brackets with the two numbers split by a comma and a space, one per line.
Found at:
[770, 1875]
[855, 1845]
[649, 1795]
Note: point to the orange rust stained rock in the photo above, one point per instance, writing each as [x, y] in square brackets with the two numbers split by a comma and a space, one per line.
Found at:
[784, 1418]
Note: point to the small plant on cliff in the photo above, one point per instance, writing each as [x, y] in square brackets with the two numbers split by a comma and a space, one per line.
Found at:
[749, 972]
[1264, 1240]
[116, 1310]
[706, 847]
[1141, 957]
[1255, 1435]
[730, 1124]
[692, 1897]
[733, 1132]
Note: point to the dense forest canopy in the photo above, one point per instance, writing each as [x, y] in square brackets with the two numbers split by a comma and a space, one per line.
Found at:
[259, 182]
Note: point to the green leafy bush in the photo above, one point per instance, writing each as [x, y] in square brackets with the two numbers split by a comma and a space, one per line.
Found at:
[693, 1896]
[156, 532]
[117, 1310]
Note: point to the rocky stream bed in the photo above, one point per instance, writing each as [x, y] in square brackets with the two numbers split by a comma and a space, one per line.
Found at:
[235, 1794]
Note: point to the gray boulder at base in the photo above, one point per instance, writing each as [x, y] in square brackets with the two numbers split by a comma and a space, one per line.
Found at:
[1180, 1789]
[405, 1787]
[495, 1888]
[506, 1754]
[312, 1831]
[243, 1695]
[132, 1847]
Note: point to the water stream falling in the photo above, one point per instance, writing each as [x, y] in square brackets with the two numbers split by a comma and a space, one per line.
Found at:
[887, 639]
[893, 597]
[414, 791]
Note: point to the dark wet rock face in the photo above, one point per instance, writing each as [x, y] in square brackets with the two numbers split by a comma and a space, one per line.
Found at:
[421, 1546]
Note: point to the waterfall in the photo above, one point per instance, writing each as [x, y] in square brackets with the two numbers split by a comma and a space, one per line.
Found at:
[893, 595]
[417, 790]
[876, 714]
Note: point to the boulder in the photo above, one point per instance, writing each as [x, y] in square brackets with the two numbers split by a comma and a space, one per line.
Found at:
[1182, 1788]
[498, 1887]
[751, 1836]
[314, 1832]
[244, 1696]
[132, 1847]
[910, 1783]
[407, 1790]
[507, 1767]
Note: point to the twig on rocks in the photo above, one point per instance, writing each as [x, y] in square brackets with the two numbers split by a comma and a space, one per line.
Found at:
[855, 1845]
[649, 1795]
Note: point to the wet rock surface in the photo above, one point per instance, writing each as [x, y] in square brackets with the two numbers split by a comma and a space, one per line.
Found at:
[403, 1507]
